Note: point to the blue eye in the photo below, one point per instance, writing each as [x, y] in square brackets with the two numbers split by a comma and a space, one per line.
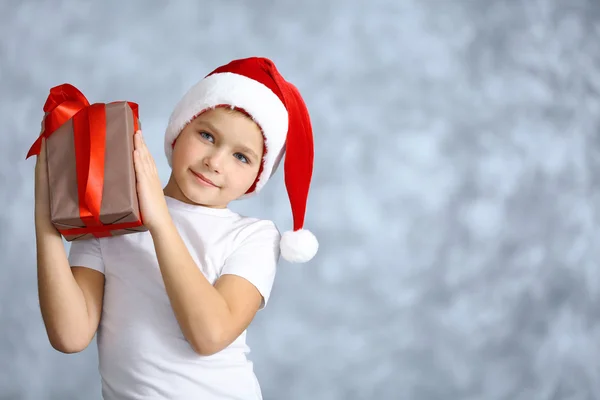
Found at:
[241, 157]
[207, 136]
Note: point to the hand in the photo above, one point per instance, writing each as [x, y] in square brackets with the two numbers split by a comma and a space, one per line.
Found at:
[153, 205]
[41, 189]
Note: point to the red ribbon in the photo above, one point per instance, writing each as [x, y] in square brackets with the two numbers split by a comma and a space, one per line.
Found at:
[89, 128]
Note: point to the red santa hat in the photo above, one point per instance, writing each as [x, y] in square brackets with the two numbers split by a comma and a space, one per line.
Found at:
[256, 87]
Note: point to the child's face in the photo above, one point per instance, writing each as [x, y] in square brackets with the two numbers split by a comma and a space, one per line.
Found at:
[221, 145]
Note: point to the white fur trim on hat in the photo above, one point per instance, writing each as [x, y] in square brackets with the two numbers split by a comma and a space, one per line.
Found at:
[238, 91]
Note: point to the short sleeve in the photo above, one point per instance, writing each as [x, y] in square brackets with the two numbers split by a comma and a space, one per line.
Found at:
[86, 253]
[255, 256]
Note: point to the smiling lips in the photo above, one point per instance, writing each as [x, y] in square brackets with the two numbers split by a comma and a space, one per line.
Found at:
[204, 180]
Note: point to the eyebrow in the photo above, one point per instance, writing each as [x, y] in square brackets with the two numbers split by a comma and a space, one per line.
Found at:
[243, 148]
[210, 126]
[248, 150]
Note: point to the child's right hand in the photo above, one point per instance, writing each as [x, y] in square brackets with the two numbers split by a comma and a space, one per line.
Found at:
[42, 192]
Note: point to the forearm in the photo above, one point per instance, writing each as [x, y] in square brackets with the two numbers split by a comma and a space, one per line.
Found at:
[61, 300]
[202, 313]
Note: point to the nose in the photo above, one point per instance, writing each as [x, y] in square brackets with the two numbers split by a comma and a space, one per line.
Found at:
[214, 161]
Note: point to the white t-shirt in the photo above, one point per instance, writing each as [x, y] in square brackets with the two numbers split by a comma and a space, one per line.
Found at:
[142, 351]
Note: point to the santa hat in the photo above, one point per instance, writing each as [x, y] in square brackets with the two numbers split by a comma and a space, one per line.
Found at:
[256, 87]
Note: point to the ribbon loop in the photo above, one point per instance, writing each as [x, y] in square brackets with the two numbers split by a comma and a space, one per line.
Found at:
[61, 105]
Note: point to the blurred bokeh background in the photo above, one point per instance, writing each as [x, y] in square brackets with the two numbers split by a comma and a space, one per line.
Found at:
[455, 193]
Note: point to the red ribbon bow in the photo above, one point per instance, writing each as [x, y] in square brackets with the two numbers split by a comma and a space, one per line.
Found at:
[66, 102]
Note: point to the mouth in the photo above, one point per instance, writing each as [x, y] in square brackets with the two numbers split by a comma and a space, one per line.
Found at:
[204, 180]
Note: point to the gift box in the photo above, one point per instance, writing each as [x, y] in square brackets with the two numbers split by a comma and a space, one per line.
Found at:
[89, 151]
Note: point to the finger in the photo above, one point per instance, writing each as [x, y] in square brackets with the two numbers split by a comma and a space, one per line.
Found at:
[41, 158]
[140, 169]
[138, 151]
[147, 157]
[137, 141]
[137, 160]
[144, 152]
[141, 161]
[41, 167]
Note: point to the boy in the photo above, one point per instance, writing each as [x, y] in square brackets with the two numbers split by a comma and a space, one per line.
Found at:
[171, 305]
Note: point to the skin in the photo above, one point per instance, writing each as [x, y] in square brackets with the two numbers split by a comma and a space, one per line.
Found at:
[224, 146]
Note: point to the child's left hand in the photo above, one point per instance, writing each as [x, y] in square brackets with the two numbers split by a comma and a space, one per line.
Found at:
[153, 205]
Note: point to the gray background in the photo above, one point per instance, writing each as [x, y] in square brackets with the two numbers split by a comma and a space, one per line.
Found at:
[455, 194]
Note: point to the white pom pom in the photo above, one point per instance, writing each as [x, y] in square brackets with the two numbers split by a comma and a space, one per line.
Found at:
[298, 246]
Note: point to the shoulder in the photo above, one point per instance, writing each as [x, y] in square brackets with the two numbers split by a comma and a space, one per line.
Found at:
[254, 235]
[255, 231]
[251, 226]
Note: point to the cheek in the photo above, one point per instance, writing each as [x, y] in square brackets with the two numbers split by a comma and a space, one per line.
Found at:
[246, 180]
[183, 154]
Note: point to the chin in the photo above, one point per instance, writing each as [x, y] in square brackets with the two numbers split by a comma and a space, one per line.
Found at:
[183, 191]
[195, 195]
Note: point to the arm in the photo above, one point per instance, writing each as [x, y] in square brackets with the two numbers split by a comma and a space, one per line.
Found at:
[70, 299]
[211, 317]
